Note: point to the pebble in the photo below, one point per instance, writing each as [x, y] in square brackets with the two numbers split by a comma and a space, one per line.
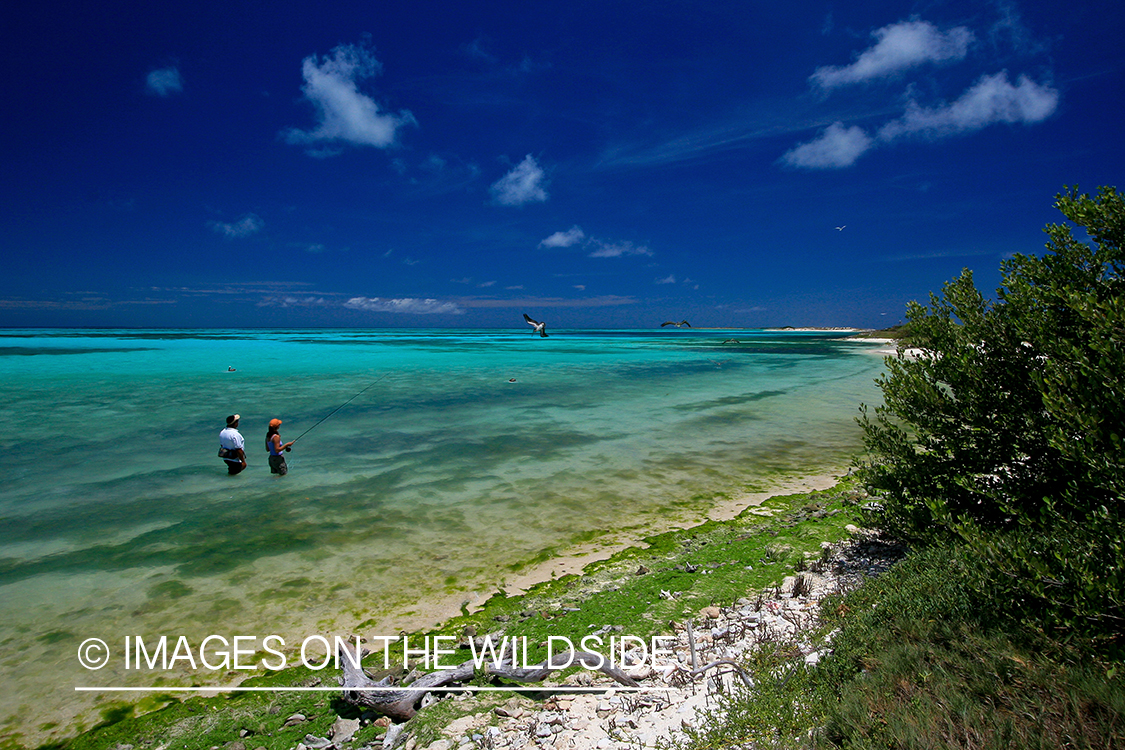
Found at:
[343, 730]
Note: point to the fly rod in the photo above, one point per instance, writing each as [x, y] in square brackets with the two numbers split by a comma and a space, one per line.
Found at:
[341, 406]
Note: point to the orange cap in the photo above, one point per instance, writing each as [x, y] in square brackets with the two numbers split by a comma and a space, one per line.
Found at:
[275, 423]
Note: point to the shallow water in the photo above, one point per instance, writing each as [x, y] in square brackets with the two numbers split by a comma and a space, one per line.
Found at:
[117, 518]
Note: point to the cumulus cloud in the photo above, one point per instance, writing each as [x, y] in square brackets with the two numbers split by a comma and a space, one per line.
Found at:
[164, 82]
[569, 238]
[617, 249]
[992, 99]
[524, 184]
[407, 305]
[836, 147]
[246, 226]
[898, 47]
[669, 279]
[345, 114]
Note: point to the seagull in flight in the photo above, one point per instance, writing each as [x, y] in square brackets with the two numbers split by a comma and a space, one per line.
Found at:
[674, 323]
[840, 229]
[540, 328]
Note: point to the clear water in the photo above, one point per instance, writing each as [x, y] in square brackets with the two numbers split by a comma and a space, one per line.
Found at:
[117, 517]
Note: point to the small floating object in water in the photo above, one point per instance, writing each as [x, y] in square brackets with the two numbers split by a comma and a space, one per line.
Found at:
[511, 380]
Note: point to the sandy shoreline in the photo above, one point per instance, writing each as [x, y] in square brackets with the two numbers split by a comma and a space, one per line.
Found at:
[572, 560]
[425, 614]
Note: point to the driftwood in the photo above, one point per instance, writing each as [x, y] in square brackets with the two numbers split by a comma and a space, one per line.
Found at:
[727, 662]
[401, 704]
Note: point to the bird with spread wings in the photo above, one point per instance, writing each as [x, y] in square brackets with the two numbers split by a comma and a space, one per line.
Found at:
[540, 328]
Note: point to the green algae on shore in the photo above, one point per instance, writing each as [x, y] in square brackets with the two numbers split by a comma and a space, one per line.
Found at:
[714, 563]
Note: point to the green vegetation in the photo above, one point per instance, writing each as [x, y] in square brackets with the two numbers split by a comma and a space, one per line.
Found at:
[925, 657]
[997, 453]
[256, 719]
[1006, 433]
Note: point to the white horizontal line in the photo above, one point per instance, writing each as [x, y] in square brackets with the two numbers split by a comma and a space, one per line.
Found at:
[392, 689]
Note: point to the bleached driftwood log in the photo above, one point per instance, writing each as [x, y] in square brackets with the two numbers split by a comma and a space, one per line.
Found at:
[401, 704]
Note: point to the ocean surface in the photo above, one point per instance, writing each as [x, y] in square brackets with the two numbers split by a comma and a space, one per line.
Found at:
[439, 478]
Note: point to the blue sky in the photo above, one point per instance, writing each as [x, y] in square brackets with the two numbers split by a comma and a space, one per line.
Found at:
[593, 164]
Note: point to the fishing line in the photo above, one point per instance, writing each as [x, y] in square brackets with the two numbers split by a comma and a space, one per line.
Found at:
[341, 406]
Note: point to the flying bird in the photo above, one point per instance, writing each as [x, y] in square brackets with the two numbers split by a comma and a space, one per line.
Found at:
[840, 229]
[540, 328]
[674, 323]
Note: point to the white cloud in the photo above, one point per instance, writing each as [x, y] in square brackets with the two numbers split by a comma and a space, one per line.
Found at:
[524, 184]
[569, 238]
[408, 305]
[601, 248]
[345, 114]
[836, 147]
[898, 47]
[164, 82]
[993, 99]
[248, 225]
[669, 279]
[617, 249]
[290, 301]
[530, 302]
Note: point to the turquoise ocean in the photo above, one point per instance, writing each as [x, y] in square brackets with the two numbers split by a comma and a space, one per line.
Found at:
[435, 483]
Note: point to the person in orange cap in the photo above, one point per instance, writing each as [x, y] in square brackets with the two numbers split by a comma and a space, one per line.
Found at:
[276, 448]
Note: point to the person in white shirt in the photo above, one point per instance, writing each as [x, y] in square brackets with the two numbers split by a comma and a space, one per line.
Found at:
[232, 446]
